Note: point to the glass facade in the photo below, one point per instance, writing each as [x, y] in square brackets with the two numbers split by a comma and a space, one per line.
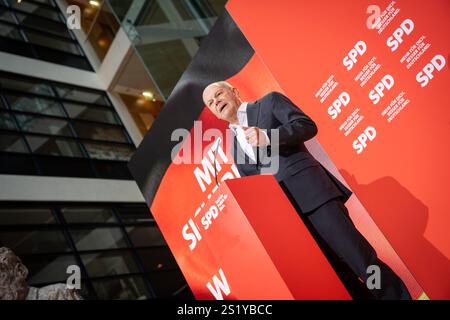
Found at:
[118, 247]
[99, 25]
[37, 29]
[47, 127]
[167, 33]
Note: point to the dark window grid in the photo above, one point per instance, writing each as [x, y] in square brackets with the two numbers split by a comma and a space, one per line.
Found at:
[80, 225]
[98, 251]
[61, 224]
[54, 84]
[61, 99]
[137, 257]
[23, 134]
[60, 253]
[24, 36]
[74, 139]
[60, 103]
[67, 117]
[83, 283]
[83, 89]
[39, 171]
[77, 226]
[149, 216]
[41, 4]
[36, 160]
[14, 11]
[35, 54]
[85, 153]
[24, 140]
[51, 5]
[48, 155]
[129, 244]
[116, 116]
[29, 227]
[22, 29]
[60, 218]
[125, 275]
[130, 247]
[74, 131]
[112, 224]
[48, 34]
[88, 280]
[22, 33]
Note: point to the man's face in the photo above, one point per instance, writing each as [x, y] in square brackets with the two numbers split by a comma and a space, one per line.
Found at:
[222, 101]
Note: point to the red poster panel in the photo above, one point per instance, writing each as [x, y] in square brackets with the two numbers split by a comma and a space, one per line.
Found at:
[375, 79]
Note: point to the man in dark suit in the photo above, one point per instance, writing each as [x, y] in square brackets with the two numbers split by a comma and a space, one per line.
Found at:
[315, 193]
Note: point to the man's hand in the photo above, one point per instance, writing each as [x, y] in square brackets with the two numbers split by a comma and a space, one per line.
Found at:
[256, 137]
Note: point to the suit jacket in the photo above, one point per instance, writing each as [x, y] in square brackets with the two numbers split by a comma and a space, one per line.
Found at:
[310, 185]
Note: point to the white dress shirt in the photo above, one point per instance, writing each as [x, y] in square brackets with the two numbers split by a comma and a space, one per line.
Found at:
[240, 134]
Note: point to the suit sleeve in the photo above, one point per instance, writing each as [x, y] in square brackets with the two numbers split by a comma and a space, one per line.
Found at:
[296, 127]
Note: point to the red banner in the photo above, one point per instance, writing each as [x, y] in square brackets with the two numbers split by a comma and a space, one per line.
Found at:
[375, 79]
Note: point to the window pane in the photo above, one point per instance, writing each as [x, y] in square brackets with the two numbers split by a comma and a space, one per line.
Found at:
[44, 125]
[201, 10]
[166, 62]
[49, 2]
[106, 151]
[145, 236]
[54, 146]
[26, 85]
[166, 283]
[5, 15]
[47, 268]
[7, 121]
[36, 105]
[153, 14]
[81, 95]
[131, 288]
[51, 42]
[43, 24]
[26, 216]
[35, 241]
[78, 111]
[99, 238]
[158, 258]
[99, 132]
[109, 263]
[10, 142]
[88, 215]
[36, 9]
[135, 214]
[9, 31]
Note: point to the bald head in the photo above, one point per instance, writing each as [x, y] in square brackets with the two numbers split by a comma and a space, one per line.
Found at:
[223, 100]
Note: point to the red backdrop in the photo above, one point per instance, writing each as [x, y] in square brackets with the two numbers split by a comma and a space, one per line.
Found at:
[402, 174]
